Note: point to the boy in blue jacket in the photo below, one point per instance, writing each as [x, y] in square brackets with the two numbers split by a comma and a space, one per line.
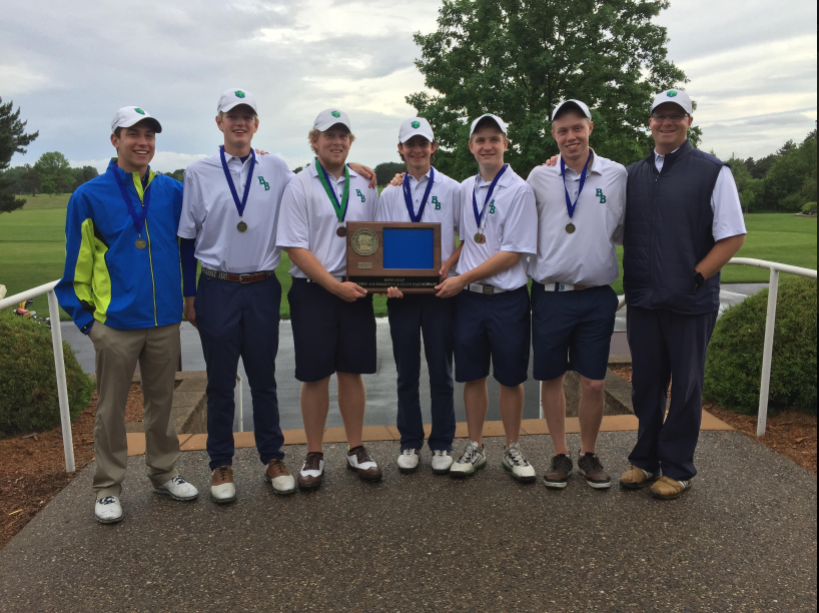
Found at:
[121, 286]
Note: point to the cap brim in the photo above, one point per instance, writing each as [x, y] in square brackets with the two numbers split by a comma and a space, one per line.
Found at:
[417, 133]
[570, 105]
[152, 120]
[487, 118]
[230, 107]
[326, 126]
[669, 101]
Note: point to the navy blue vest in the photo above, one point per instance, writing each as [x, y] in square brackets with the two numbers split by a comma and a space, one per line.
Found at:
[668, 231]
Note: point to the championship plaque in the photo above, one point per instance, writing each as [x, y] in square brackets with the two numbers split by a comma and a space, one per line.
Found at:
[392, 254]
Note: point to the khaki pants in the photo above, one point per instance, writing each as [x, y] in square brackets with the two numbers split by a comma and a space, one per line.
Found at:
[157, 350]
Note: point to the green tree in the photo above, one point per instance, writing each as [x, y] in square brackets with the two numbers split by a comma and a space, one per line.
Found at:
[385, 171]
[83, 175]
[31, 181]
[791, 181]
[55, 173]
[13, 139]
[749, 188]
[519, 58]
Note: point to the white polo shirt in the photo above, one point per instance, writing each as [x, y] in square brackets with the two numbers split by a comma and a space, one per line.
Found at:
[511, 225]
[308, 219]
[725, 203]
[588, 256]
[210, 216]
[443, 206]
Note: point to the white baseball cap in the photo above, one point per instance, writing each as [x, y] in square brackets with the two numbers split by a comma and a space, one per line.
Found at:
[233, 97]
[677, 96]
[129, 116]
[577, 104]
[500, 123]
[330, 117]
[415, 126]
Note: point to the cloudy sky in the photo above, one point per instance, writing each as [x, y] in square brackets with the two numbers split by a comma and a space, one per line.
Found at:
[752, 68]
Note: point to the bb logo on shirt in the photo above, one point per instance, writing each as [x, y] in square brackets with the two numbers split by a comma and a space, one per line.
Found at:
[601, 195]
[267, 185]
[436, 203]
[492, 208]
[360, 195]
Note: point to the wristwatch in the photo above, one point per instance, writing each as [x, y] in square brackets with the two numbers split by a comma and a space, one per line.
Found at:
[698, 280]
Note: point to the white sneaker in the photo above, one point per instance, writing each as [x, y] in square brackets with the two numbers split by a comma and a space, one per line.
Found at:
[517, 465]
[108, 510]
[441, 462]
[408, 461]
[178, 489]
[472, 459]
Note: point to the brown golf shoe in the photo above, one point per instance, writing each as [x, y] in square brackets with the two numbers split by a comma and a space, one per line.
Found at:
[635, 478]
[280, 478]
[312, 472]
[666, 488]
[359, 460]
[222, 490]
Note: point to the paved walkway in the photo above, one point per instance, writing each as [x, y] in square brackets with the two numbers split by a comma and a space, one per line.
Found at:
[744, 539]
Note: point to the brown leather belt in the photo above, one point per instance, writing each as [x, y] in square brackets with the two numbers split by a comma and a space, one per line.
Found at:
[244, 279]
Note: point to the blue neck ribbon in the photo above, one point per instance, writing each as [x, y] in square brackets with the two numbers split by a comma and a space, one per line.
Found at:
[138, 219]
[408, 195]
[569, 205]
[240, 206]
[479, 215]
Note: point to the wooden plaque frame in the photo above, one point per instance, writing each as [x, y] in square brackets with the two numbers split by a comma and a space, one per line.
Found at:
[367, 269]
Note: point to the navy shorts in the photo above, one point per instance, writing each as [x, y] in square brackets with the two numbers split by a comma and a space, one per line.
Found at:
[496, 327]
[329, 334]
[572, 331]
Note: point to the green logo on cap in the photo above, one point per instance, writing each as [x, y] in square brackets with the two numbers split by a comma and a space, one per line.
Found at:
[240, 94]
[335, 114]
[671, 94]
[416, 124]
[140, 111]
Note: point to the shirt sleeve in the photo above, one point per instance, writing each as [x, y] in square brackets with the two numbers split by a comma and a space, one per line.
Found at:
[619, 208]
[191, 218]
[728, 219]
[75, 291]
[294, 227]
[520, 227]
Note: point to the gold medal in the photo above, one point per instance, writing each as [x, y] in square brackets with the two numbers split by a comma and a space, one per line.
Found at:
[140, 243]
[570, 228]
[480, 238]
[342, 231]
[241, 226]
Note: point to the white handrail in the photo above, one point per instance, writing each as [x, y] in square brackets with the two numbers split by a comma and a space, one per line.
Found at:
[770, 320]
[59, 361]
[238, 395]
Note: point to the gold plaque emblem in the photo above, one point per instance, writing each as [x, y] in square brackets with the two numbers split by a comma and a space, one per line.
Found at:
[364, 242]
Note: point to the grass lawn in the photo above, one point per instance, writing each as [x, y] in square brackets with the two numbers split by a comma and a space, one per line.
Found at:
[32, 249]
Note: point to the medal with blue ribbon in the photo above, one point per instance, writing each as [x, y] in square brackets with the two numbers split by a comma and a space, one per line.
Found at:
[480, 217]
[571, 206]
[240, 206]
[408, 196]
[340, 209]
[138, 219]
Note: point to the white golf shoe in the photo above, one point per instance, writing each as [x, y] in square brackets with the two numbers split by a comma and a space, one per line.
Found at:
[108, 510]
[178, 489]
[408, 461]
[441, 462]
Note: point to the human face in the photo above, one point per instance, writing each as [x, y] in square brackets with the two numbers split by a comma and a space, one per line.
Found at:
[239, 124]
[333, 146]
[669, 135]
[571, 131]
[135, 147]
[488, 145]
[417, 153]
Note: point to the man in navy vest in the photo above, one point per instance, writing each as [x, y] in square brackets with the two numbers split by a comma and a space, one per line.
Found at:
[683, 223]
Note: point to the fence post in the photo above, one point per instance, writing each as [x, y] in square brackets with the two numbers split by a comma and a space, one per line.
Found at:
[62, 388]
[767, 352]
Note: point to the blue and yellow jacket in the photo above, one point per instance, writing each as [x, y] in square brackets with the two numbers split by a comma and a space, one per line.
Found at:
[106, 277]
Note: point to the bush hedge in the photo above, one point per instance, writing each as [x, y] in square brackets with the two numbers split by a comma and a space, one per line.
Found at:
[28, 387]
[734, 366]
[809, 208]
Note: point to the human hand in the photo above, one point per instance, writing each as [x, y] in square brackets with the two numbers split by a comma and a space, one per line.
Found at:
[394, 292]
[398, 179]
[261, 152]
[552, 161]
[349, 291]
[365, 171]
[190, 311]
[450, 287]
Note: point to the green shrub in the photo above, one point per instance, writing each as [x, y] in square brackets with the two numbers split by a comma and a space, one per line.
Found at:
[28, 387]
[809, 208]
[734, 366]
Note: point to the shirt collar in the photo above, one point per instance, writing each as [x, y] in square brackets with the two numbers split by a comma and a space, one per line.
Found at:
[502, 182]
[314, 171]
[596, 167]
[426, 176]
[661, 156]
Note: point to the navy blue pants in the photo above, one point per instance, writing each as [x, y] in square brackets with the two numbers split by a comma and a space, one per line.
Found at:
[240, 320]
[667, 347]
[434, 317]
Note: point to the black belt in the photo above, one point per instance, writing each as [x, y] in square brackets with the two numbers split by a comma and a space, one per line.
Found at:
[244, 278]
